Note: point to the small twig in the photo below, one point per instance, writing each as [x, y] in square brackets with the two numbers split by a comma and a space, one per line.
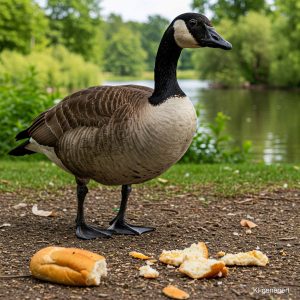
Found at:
[288, 238]
[246, 200]
[236, 292]
[277, 199]
[204, 229]
[172, 210]
[14, 276]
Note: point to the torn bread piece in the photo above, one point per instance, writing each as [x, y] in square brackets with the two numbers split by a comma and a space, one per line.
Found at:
[148, 272]
[176, 257]
[69, 266]
[138, 255]
[251, 258]
[173, 292]
[203, 268]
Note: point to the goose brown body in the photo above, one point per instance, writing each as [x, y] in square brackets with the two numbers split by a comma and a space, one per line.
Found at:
[112, 134]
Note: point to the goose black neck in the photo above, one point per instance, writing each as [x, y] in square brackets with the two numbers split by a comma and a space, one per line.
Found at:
[165, 77]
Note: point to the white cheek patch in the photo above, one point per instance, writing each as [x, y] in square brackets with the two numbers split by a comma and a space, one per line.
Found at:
[182, 36]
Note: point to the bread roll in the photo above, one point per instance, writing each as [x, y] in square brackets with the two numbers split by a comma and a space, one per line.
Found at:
[69, 266]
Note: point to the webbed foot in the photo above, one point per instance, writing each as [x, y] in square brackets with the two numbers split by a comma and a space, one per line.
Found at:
[88, 232]
[121, 227]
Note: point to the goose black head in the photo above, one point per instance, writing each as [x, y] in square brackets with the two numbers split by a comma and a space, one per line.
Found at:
[193, 30]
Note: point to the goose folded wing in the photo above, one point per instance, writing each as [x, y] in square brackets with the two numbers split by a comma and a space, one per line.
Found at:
[92, 107]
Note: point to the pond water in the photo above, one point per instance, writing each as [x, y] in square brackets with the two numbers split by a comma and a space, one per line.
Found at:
[270, 119]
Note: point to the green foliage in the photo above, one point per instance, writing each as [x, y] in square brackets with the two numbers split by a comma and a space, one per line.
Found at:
[250, 59]
[23, 25]
[151, 33]
[56, 68]
[212, 145]
[285, 67]
[20, 101]
[231, 9]
[125, 55]
[266, 43]
[76, 24]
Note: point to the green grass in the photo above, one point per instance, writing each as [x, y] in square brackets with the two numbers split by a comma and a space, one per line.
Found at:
[219, 178]
[149, 75]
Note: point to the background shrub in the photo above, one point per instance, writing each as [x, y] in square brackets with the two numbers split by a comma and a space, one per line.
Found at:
[20, 102]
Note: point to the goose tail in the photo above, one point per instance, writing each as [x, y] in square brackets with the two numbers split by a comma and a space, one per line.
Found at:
[21, 150]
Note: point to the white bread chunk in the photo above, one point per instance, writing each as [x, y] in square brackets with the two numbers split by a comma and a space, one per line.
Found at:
[176, 257]
[251, 258]
[148, 272]
[69, 266]
[203, 268]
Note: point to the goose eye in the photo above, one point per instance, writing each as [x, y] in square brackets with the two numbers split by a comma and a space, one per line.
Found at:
[193, 22]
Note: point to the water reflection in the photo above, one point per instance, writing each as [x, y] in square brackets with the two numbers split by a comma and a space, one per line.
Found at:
[270, 119]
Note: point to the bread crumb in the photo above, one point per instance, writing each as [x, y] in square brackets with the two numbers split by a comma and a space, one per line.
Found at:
[220, 253]
[173, 292]
[138, 255]
[148, 272]
[247, 223]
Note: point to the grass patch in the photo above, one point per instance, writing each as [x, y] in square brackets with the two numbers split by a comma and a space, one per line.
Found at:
[221, 179]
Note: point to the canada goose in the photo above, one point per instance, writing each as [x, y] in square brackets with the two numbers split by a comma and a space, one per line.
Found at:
[122, 135]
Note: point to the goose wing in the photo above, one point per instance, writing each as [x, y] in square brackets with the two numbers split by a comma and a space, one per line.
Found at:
[92, 107]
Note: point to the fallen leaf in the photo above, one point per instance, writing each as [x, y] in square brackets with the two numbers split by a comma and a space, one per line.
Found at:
[173, 292]
[41, 213]
[247, 223]
[162, 180]
[20, 205]
[3, 181]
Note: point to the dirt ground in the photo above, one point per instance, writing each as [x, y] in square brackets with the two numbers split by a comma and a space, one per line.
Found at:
[180, 218]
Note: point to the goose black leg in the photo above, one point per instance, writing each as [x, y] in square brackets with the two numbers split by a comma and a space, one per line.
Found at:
[119, 225]
[84, 231]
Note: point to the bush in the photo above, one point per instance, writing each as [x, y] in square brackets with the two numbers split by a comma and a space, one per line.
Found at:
[20, 102]
[212, 145]
[56, 67]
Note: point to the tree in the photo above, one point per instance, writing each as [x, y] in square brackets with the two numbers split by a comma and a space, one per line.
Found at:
[231, 9]
[124, 53]
[76, 24]
[151, 33]
[285, 68]
[250, 59]
[23, 25]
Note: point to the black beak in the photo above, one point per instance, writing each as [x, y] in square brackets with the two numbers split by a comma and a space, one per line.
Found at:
[214, 40]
